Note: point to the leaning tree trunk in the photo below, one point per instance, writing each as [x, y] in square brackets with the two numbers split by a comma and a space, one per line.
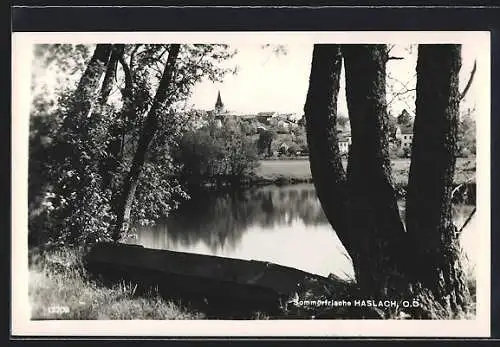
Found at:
[428, 206]
[110, 75]
[107, 85]
[87, 86]
[148, 131]
[112, 161]
[78, 120]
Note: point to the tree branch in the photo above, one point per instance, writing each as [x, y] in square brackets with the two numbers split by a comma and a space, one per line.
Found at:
[116, 52]
[400, 93]
[467, 221]
[469, 83]
[88, 86]
[129, 82]
[132, 57]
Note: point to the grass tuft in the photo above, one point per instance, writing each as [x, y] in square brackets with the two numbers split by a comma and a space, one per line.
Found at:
[58, 279]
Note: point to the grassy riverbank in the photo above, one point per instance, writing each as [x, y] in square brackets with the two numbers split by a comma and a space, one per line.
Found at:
[58, 279]
[296, 171]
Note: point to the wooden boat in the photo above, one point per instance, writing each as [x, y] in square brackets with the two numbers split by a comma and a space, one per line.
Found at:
[225, 283]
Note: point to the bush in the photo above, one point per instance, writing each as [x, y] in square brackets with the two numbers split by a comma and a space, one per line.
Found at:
[76, 206]
[213, 155]
[402, 152]
[264, 142]
[293, 149]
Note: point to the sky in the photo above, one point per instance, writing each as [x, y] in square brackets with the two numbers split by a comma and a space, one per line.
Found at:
[269, 82]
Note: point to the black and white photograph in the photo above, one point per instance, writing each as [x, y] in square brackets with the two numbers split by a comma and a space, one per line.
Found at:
[327, 183]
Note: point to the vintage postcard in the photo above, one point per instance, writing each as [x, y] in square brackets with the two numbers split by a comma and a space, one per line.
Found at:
[251, 184]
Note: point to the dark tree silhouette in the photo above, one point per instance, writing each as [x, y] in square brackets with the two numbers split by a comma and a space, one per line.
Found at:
[361, 204]
[428, 207]
[265, 141]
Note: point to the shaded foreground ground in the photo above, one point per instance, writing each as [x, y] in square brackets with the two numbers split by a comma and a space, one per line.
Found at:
[58, 279]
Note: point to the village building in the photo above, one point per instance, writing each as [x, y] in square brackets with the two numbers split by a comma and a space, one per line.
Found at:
[344, 140]
[265, 117]
[405, 135]
[283, 122]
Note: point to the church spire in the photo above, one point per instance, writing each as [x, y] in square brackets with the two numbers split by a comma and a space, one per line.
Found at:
[219, 106]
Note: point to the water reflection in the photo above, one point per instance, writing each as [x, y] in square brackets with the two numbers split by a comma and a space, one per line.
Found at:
[285, 225]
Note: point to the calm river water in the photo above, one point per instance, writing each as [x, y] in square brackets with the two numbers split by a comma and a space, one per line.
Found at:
[284, 225]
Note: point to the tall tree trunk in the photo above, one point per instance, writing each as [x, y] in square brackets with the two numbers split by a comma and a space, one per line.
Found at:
[76, 120]
[148, 131]
[361, 206]
[372, 214]
[87, 87]
[428, 206]
[321, 123]
[422, 263]
[110, 165]
[107, 83]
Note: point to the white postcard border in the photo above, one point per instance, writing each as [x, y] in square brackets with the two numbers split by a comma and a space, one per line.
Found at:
[21, 75]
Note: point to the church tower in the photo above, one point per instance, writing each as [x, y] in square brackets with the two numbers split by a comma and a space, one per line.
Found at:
[219, 106]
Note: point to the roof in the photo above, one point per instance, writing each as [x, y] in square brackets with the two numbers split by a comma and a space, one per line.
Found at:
[406, 129]
[265, 114]
[247, 116]
[344, 136]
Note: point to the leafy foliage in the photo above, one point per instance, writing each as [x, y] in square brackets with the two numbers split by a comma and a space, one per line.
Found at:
[466, 139]
[392, 126]
[265, 140]
[217, 155]
[78, 208]
[404, 118]
[72, 139]
[342, 121]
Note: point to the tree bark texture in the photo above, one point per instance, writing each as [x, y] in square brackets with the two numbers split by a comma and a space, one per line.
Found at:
[372, 215]
[148, 131]
[321, 119]
[361, 205]
[428, 206]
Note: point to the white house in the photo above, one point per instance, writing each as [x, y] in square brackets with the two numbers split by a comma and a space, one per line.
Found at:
[405, 135]
[343, 146]
[344, 142]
